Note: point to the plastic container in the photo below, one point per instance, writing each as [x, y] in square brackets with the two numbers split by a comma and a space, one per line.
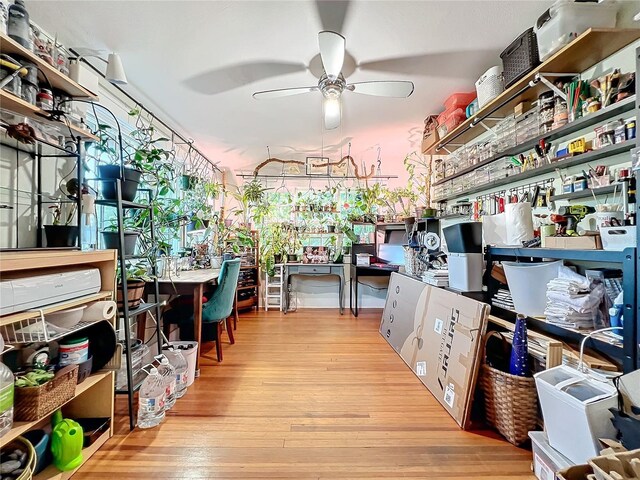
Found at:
[168, 374]
[465, 271]
[566, 20]
[137, 356]
[489, 85]
[618, 238]
[546, 461]
[6, 399]
[575, 409]
[528, 285]
[459, 100]
[464, 237]
[73, 351]
[151, 409]
[66, 319]
[447, 121]
[177, 360]
[520, 57]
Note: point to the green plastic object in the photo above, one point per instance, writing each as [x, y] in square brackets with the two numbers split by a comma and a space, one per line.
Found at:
[66, 442]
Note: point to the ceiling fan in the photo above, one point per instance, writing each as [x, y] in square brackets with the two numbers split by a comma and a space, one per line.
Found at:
[332, 83]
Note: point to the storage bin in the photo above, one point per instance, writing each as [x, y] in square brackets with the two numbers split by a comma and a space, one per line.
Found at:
[528, 285]
[34, 403]
[459, 100]
[618, 238]
[464, 237]
[566, 20]
[489, 85]
[575, 409]
[465, 271]
[520, 57]
[448, 121]
[138, 353]
[526, 126]
[546, 461]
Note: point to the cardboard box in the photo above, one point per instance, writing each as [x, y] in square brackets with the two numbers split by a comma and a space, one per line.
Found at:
[584, 242]
[579, 472]
[439, 335]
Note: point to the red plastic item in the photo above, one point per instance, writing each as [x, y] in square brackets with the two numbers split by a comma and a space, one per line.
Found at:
[459, 100]
[447, 121]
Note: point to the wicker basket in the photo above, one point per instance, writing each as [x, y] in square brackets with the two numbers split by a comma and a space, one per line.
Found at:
[26, 446]
[511, 402]
[34, 403]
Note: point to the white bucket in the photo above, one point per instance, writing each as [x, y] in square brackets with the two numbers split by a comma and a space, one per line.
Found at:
[190, 355]
[528, 285]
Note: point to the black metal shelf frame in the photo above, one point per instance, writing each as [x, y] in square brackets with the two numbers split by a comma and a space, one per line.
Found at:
[630, 352]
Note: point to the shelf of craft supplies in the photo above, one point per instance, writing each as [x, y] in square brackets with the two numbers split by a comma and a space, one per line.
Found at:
[21, 427]
[601, 116]
[59, 81]
[566, 162]
[589, 193]
[564, 254]
[55, 307]
[16, 105]
[585, 51]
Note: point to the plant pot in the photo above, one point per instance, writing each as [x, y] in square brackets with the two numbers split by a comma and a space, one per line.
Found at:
[216, 261]
[111, 241]
[135, 292]
[228, 222]
[195, 225]
[331, 228]
[277, 258]
[429, 213]
[419, 212]
[188, 182]
[129, 184]
[61, 235]
[380, 218]
[292, 258]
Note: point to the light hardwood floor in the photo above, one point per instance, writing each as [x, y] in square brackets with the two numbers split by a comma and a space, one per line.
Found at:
[309, 395]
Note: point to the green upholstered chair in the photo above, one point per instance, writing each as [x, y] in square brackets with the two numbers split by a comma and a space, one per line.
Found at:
[219, 308]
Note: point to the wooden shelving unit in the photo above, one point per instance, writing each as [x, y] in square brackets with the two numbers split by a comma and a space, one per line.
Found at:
[94, 396]
[58, 80]
[248, 290]
[585, 51]
[17, 105]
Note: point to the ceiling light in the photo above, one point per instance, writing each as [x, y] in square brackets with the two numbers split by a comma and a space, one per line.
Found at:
[332, 106]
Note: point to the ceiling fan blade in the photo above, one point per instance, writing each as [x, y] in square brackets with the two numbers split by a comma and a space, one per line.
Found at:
[398, 89]
[332, 13]
[283, 92]
[332, 113]
[332, 46]
[227, 78]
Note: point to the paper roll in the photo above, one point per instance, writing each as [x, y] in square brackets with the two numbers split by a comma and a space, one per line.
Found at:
[519, 221]
[100, 311]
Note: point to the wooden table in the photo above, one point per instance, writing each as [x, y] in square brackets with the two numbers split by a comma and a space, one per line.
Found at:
[313, 269]
[191, 282]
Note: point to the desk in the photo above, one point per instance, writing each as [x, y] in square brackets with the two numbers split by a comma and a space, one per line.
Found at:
[365, 271]
[313, 269]
[191, 282]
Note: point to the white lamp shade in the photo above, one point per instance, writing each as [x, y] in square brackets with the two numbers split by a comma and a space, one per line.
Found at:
[115, 72]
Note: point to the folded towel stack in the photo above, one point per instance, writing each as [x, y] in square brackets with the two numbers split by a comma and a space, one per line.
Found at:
[573, 301]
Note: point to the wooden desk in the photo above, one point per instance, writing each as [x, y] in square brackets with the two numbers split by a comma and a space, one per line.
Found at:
[365, 271]
[191, 282]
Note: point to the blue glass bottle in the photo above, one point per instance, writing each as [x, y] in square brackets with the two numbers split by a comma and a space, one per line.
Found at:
[519, 362]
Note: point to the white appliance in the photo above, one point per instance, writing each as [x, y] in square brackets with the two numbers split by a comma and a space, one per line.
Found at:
[18, 293]
[575, 409]
[465, 271]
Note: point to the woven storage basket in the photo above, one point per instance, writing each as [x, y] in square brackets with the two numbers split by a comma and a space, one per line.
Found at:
[34, 403]
[511, 402]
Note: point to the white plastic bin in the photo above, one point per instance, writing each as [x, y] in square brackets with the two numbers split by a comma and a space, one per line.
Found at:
[566, 20]
[575, 409]
[190, 355]
[546, 461]
[465, 271]
[618, 238]
[528, 285]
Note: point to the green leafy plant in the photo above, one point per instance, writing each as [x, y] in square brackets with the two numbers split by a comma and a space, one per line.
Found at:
[57, 212]
[419, 169]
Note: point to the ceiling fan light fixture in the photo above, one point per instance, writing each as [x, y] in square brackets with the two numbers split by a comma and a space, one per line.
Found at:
[332, 113]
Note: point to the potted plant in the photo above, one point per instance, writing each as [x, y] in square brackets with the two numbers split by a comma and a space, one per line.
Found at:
[188, 182]
[111, 236]
[294, 245]
[136, 277]
[61, 233]
[420, 169]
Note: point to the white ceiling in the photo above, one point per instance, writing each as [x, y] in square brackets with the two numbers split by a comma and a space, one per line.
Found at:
[191, 60]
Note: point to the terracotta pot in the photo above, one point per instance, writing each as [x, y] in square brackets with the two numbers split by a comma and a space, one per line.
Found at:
[135, 292]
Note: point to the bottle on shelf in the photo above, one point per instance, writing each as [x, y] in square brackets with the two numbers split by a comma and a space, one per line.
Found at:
[168, 374]
[151, 400]
[519, 362]
[177, 360]
[18, 27]
[89, 223]
[6, 399]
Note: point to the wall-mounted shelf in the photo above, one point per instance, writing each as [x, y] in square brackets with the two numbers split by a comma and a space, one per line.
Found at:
[314, 177]
[600, 116]
[18, 106]
[591, 156]
[58, 80]
[588, 193]
[591, 47]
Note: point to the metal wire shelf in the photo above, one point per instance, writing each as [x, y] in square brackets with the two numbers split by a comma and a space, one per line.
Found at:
[37, 330]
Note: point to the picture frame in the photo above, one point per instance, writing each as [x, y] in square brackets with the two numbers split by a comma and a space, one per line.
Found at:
[317, 166]
[340, 170]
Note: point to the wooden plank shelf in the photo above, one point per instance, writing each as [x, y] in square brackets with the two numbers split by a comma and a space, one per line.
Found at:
[59, 81]
[18, 106]
[22, 427]
[56, 307]
[591, 47]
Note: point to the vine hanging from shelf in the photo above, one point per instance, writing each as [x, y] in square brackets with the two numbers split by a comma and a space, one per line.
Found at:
[346, 158]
